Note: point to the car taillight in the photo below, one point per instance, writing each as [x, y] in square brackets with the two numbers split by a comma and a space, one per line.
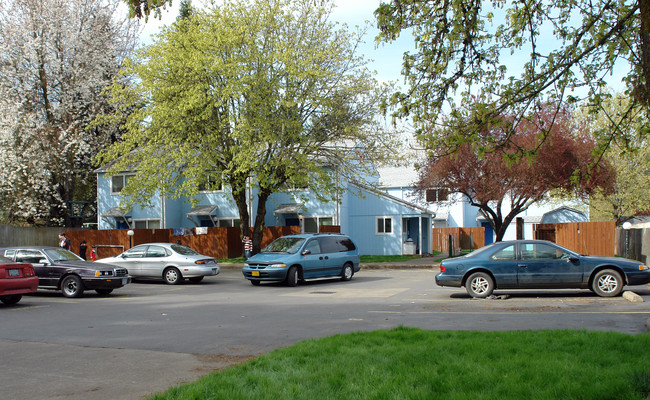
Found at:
[442, 268]
[204, 261]
[28, 271]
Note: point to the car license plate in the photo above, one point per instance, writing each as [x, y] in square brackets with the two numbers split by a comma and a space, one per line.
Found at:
[255, 273]
[125, 281]
[14, 272]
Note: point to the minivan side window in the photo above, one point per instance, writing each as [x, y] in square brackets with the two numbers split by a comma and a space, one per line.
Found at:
[335, 244]
[313, 246]
[347, 244]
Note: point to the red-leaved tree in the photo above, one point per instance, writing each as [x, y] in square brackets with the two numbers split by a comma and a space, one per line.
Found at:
[519, 170]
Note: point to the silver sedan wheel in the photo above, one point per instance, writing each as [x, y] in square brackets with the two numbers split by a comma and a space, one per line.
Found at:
[173, 276]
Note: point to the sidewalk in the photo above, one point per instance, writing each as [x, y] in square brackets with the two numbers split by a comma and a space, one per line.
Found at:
[416, 263]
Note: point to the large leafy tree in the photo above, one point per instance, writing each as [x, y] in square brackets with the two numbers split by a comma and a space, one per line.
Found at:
[630, 195]
[264, 93]
[516, 56]
[501, 184]
[56, 57]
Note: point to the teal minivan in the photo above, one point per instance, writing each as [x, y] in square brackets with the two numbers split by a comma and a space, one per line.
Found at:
[294, 258]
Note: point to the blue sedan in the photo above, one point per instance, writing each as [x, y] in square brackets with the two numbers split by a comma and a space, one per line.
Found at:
[538, 264]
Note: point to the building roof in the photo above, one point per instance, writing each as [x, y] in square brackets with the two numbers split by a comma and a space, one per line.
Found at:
[202, 210]
[397, 176]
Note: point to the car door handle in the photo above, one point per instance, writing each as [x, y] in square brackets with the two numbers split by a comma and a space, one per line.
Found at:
[522, 265]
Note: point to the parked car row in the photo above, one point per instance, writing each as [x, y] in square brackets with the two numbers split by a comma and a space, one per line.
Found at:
[290, 258]
[523, 264]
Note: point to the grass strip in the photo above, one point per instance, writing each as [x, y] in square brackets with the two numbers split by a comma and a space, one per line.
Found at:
[410, 363]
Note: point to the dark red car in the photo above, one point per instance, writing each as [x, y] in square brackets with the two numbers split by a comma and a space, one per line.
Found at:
[16, 279]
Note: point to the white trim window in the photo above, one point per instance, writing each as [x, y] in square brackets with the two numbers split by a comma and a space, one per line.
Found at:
[118, 182]
[146, 224]
[312, 224]
[212, 185]
[436, 195]
[228, 222]
[384, 225]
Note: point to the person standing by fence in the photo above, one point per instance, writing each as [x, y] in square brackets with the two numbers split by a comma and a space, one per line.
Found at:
[82, 249]
[64, 242]
[248, 246]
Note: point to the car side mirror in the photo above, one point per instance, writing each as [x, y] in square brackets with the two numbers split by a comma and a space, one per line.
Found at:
[304, 253]
[573, 259]
[43, 261]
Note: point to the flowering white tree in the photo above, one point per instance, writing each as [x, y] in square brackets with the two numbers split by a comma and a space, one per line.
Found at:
[56, 57]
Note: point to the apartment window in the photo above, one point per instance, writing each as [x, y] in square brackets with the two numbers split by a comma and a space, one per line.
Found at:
[146, 223]
[212, 185]
[313, 224]
[436, 195]
[118, 182]
[228, 222]
[384, 225]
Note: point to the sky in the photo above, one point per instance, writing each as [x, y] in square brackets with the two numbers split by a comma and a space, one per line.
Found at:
[386, 58]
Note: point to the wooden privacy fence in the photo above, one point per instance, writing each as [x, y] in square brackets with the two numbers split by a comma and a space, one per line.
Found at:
[219, 242]
[462, 238]
[590, 238]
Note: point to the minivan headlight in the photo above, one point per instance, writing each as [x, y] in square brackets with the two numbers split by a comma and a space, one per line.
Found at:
[278, 266]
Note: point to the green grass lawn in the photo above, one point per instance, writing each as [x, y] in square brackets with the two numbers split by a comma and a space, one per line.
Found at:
[409, 363]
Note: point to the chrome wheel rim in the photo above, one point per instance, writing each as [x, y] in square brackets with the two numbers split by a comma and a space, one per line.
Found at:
[348, 272]
[70, 287]
[480, 285]
[607, 284]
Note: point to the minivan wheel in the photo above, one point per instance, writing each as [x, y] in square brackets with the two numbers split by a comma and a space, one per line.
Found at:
[347, 272]
[292, 277]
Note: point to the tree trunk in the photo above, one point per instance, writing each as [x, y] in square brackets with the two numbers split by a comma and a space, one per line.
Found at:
[643, 87]
[239, 195]
[258, 229]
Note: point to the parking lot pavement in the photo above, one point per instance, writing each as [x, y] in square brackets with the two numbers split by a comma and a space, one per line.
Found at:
[149, 336]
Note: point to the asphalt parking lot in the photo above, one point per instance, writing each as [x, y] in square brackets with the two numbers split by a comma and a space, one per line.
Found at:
[149, 336]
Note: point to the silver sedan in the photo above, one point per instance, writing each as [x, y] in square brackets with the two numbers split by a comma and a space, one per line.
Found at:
[171, 262]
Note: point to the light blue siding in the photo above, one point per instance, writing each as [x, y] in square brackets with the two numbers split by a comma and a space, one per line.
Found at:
[357, 212]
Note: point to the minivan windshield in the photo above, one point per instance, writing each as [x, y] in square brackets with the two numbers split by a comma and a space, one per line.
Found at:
[284, 245]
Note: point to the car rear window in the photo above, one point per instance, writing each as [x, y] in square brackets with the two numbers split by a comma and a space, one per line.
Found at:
[184, 250]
